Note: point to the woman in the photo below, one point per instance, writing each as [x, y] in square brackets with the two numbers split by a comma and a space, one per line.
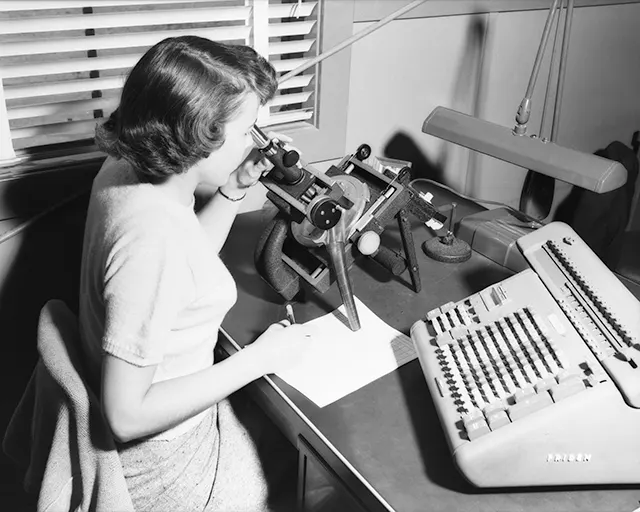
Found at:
[153, 289]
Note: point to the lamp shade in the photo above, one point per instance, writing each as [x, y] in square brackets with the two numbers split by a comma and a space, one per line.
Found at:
[581, 169]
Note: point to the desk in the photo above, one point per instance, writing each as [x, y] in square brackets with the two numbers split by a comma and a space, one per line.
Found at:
[383, 443]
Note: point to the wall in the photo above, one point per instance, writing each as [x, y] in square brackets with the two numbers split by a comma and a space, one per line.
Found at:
[480, 64]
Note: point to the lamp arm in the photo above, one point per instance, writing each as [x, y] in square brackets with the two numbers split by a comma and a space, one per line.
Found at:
[547, 106]
[562, 70]
[524, 110]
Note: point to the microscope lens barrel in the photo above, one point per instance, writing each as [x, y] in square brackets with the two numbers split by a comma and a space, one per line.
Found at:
[261, 140]
[284, 161]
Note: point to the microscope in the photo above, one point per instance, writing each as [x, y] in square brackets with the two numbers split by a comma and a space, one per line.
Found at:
[326, 220]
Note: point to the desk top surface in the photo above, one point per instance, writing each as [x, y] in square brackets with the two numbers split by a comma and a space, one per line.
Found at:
[389, 430]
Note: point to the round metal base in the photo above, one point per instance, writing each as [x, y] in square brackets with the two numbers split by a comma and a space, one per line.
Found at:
[447, 249]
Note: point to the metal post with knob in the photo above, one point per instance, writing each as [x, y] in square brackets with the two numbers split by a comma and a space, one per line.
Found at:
[448, 248]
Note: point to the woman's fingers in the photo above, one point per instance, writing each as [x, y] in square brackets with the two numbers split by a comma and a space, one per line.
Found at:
[264, 165]
[280, 325]
[280, 136]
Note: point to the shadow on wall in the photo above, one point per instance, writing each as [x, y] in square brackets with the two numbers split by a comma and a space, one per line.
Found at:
[451, 162]
[467, 85]
[402, 147]
[456, 161]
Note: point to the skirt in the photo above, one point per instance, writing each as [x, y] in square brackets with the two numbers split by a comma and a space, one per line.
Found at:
[235, 460]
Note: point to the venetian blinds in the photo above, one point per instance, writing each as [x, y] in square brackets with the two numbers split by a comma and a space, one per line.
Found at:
[63, 63]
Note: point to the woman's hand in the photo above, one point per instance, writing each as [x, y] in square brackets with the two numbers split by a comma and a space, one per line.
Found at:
[282, 346]
[254, 166]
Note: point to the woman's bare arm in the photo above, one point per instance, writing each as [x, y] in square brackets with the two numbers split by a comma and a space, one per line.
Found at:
[135, 407]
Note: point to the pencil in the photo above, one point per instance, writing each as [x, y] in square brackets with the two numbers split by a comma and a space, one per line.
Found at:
[290, 316]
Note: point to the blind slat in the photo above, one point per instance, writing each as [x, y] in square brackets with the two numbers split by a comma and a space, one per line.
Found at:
[296, 81]
[85, 135]
[294, 10]
[118, 41]
[66, 87]
[288, 64]
[79, 127]
[124, 19]
[302, 46]
[289, 117]
[68, 108]
[70, 66]
[296, 28]
[39, 5]
[290, 99]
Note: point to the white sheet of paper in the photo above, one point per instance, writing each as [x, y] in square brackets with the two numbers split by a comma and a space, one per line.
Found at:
[343, 361]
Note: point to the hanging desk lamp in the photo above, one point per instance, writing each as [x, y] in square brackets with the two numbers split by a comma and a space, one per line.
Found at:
[512, 145]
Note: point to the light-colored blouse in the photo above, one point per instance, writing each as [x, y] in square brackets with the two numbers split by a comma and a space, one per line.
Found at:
[153, 291]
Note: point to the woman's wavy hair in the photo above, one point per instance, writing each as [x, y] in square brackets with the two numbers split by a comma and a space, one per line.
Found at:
[176, 102]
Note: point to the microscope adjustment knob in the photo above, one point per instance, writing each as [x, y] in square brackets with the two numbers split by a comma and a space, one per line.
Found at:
[324, 213]
[290, 158]
[369, 242]
[363, 152]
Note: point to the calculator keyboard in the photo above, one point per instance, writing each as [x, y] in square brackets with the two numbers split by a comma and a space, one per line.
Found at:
[541, 367]
[499, 371]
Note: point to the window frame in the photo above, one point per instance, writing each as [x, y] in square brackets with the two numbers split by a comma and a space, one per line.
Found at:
[327, 139]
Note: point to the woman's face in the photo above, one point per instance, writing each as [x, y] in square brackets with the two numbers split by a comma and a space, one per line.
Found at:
[216, 168]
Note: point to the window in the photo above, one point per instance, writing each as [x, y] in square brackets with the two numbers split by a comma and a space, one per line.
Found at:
[62, 64]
